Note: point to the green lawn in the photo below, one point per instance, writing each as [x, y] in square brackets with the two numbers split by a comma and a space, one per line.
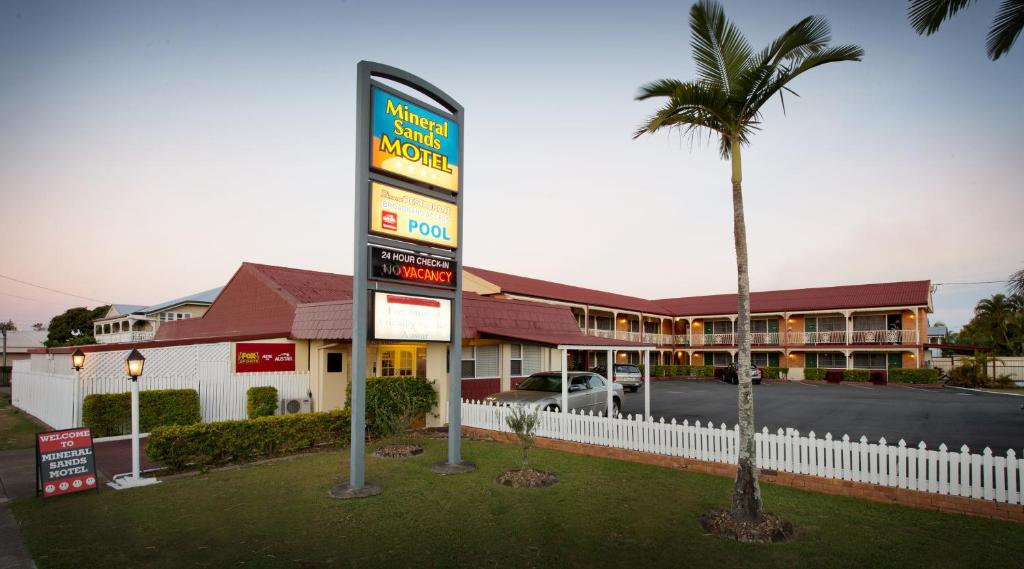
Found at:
[604, 513]
[16, 430]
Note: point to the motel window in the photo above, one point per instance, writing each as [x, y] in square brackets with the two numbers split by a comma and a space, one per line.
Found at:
[759, 359]
[581, 321]
[487, 361]
[405, 363]
[719, 359]
[869, 361]
[826, 360]
[387, 363]
[517, 360]
[533, 360]
[718, 327]
[334, 361]
[869, 322]
[652, 327]
[602, 323]
[825, 324]
[468, 362]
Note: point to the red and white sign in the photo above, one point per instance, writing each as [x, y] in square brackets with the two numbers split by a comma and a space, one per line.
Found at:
[257, 357]
[389, 220]
[403, 317]
[65, 461]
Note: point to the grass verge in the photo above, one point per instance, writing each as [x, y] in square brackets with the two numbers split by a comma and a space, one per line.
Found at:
[603, 513]
[16, 429]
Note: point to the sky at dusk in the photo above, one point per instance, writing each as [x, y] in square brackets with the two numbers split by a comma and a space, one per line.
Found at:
[149, 148]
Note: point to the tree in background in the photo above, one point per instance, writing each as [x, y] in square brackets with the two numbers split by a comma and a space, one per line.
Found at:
[998, 324]
[8, 326]
[926, 16]
[74, 327]
[39, 326]
[1017, 283]
[733, 83]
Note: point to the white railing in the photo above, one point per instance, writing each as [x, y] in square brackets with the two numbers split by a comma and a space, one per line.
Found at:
[764, 338]
[699, 339]
[124, 337]
[884, 337]
[51, 397]
[682, 339]
[658, 339]
[831, 337]
[627, 336]
[610, 334]
[982, 476]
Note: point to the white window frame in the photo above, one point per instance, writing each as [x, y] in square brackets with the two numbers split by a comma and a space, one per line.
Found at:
[468, 355]
[513, 348]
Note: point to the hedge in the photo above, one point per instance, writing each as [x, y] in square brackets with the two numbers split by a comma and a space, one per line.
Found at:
[392, 403]
[770, 372]
[211, 444]
[861, 375]
[110, 414]
[261, 401]
[814, 373]
[913, 375]
[702, 371]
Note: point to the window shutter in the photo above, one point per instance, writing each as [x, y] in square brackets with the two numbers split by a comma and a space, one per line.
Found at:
[532, 360]
[487, 361]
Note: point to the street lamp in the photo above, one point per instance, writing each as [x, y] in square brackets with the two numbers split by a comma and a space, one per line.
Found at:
[77, 363]
[133, 367]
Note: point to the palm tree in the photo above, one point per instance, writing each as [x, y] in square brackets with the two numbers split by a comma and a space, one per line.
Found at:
[928, 15]
[733, 83]
[1017, 283]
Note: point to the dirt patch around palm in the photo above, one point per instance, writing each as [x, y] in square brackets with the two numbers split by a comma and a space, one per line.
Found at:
[527, 478]
[769, 529]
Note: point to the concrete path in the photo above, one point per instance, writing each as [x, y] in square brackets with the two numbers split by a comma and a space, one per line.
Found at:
[17, 480]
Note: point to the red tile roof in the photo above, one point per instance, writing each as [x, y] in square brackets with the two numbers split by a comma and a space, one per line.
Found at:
[906, 293]
[515, 284]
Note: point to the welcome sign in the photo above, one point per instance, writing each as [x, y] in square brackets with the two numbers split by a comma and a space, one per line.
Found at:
[414, 143]
[407, 215]
[65, 462]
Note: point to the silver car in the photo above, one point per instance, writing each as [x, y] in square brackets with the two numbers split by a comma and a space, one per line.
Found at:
[587, 392]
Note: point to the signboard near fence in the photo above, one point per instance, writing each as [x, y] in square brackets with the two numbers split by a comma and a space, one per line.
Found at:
[65, 462]
[257, 357]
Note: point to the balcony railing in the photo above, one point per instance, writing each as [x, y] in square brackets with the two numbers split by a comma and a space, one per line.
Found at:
[124, 337]
[658, 339]
[884, 337]
[814, 338]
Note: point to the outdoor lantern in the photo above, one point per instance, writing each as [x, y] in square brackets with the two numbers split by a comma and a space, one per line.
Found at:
[133, 365]
[78, 359]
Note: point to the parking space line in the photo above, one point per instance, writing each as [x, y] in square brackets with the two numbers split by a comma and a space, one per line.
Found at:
[861, 386]
[920, 389]
[809, 384]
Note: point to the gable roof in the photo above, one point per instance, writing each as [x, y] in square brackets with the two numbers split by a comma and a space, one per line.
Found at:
[515, 284]
[877, 295]
[204, 297]
[123, 310]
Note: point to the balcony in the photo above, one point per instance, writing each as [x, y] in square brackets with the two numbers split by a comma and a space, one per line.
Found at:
[815, 338]
[124, 337]
[658, 339]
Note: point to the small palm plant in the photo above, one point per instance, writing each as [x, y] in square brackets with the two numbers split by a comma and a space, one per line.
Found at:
[524, 422]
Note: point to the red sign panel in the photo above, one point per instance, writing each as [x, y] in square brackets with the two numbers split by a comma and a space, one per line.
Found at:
[254, 357]
[65, 462]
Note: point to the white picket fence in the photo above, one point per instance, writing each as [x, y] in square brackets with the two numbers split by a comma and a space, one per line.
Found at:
[982, 476]
[51, 397]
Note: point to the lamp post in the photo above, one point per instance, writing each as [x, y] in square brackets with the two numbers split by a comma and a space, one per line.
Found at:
[133, 367]
[77, 362]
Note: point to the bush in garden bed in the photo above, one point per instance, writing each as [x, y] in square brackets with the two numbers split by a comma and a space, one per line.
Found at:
[393, 401]
[771, 372]
[211, 444]
[860, 375]
[814, 373]
[110, 414]
[913, 375]
[261, 401]
[702, 371]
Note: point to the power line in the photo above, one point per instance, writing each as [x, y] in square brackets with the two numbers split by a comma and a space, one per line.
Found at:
[974, 282]
[53, 290]
[35, 299]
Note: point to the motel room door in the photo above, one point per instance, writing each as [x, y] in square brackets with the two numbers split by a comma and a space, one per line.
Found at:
[335, 379]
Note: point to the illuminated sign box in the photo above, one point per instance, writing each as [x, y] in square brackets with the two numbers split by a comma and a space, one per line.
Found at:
[414, 143]
[411, 318]
[407, 215]
[416, 268]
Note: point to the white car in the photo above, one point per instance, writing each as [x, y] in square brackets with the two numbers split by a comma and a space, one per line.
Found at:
[588, 391]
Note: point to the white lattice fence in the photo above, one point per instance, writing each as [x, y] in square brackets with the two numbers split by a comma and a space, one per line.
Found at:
[940, 471]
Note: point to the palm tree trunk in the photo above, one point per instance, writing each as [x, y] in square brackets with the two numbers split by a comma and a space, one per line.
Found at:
[746, 494]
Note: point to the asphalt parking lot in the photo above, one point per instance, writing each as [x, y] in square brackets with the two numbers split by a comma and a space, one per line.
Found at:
[951, 416]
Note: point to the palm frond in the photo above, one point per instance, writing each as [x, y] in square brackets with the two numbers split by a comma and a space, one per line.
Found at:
[1005, 28]
[719, 48]
[687, 100]
[787, 74]
[658, 88]
[927, 15]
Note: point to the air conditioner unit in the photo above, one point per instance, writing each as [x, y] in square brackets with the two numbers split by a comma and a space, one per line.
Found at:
[297, 405]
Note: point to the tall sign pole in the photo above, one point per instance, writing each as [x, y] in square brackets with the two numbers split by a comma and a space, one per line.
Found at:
[407, 285]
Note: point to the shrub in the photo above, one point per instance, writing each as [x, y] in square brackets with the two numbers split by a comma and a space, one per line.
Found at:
[861, 375]
[210, 444]
[660, 371]
[684, 371]
[110, 414]
[261, 401]
[676, 371]
[771, 372]
[914, 375]
[393, 403]
[814, 373]
[974, 372]
[524, 424]
[702, 371]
